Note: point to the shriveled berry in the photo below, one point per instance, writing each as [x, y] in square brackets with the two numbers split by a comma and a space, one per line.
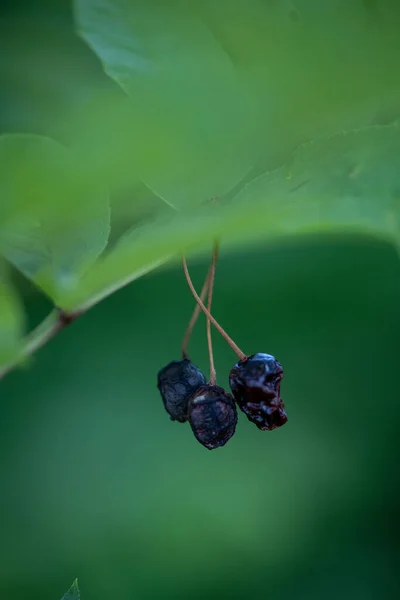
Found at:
[255, 383]
[212, 416]
[177, 382]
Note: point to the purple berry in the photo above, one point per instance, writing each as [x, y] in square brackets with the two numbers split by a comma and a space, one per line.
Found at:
[212, 416]
[177, 382]
[255, 383]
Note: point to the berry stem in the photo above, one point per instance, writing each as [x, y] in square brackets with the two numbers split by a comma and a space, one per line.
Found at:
[213, 374]
[195, 315]
[226, 337]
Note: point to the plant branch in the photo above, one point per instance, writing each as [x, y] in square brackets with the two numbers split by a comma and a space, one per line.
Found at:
[55, 322]
[58, 319]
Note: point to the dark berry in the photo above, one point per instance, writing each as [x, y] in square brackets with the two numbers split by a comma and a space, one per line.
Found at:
[212, 416]
[255, 383]
[179, 380]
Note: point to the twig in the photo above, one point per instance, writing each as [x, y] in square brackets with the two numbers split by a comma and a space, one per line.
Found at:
[228, 339]
[55, 322]
[213, 374]
[195, 315]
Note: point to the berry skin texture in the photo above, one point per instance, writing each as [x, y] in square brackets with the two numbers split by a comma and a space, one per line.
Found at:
[255, 383]
[212, 416]
[177, 382]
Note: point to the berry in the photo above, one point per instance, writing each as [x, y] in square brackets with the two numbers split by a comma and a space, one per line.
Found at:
[177, 382]
[212, 416]
[255, 383]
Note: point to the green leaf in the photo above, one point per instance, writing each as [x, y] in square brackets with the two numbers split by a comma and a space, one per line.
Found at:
[315, 71]
[348, 182]
[55, 222]
[11, 323]
[215, 86]
[193, 119]
[73, 592]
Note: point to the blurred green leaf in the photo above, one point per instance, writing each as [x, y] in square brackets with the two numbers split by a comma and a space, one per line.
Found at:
[350, 181]
[192, 117]
[11, 323]
[55, 222]
[217, 88]
[73, 592]
[347, 181]
[103, 135]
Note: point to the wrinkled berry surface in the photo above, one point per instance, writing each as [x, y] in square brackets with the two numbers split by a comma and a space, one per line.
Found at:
[255, 383]
[212, 416]
[177, 382]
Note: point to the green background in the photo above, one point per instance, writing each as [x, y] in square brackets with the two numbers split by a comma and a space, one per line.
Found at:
[99, 484]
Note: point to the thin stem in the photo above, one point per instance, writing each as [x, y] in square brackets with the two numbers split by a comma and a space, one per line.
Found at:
[48, 328]
[226, 337]
[195, 315]
[213, 374]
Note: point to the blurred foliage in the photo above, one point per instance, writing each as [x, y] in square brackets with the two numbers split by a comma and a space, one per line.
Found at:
[231, 126]
[54, 227]
[257, 121]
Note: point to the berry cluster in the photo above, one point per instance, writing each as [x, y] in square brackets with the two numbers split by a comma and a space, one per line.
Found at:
[211, 411]
[187, 396]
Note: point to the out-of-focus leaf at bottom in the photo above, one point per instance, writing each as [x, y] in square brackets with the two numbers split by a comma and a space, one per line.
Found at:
[73, 592]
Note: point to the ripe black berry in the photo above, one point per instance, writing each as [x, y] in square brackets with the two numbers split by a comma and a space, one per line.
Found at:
[255, 383]
[212, 416]
[177, 382]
